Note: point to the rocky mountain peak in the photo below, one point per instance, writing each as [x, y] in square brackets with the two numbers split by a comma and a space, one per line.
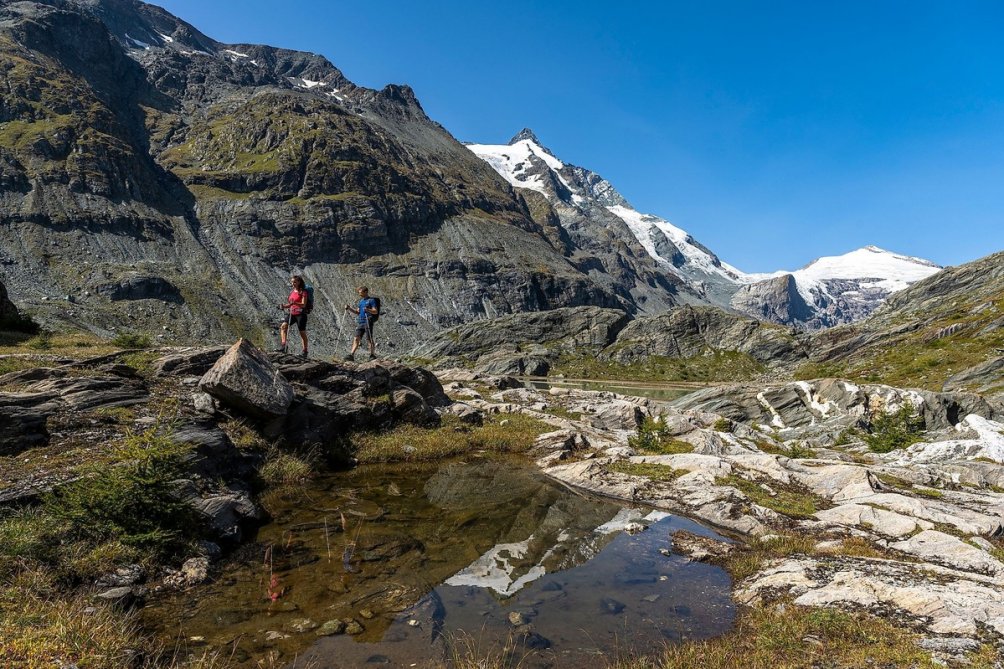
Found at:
[525, 133]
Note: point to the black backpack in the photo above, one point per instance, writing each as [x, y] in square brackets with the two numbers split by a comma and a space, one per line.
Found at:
[309, 306]
[375, 317]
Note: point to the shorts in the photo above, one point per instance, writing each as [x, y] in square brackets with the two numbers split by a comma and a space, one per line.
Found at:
[300, 320]
[364, 331]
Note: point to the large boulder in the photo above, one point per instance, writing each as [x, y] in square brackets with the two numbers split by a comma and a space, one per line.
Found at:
[245, 380]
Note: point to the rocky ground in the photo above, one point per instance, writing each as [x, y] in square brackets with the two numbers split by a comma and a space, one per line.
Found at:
[839, 495]
[203, 416]
[861, 497]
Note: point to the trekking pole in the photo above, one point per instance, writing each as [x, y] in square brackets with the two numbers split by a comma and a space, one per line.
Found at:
[289, 326]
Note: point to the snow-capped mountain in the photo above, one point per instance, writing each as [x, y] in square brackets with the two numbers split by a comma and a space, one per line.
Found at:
[595, 214]
[828, 291]
[834, 289]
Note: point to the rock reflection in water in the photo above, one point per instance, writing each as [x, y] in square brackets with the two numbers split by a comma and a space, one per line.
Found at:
[393, 565]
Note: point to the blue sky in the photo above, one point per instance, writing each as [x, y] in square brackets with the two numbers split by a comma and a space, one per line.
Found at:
[774, 132]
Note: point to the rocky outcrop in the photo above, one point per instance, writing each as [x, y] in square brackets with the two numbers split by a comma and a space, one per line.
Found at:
[531, 344]
[8, 312]
[828, 406]
[524, 343]
[693, 331]
[776, 300]
[244, 379]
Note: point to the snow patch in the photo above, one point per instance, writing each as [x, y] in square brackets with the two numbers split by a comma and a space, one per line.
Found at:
[166, 38]
[235, 54]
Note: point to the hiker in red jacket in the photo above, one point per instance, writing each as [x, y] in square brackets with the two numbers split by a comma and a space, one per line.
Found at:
[297, 305]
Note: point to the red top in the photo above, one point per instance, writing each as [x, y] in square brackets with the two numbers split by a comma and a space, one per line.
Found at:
[297, 300]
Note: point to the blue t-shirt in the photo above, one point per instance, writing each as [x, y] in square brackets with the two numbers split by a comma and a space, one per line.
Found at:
[364, 316]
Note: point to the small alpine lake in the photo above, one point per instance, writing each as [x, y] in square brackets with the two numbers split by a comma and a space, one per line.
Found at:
[421, 565]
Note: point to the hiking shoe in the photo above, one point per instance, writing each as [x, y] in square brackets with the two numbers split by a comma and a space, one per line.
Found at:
[373, 356]
[349, 357]
[303, 354]
[281, 349]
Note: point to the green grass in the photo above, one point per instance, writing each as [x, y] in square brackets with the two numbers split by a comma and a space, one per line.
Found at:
[284, 469]
[889, 432]
[653, 437]
[132, 340]
[719, 366]
[795, 637]
[788, 500]
[511, 433]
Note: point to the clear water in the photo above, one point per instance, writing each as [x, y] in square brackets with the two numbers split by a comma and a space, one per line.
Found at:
[431, 560]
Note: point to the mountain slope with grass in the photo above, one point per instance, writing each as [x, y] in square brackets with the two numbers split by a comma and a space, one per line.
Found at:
[944, 332]
[156, 180]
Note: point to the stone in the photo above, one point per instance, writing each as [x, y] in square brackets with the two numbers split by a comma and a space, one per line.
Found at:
[301, 625]
[123, 597]
[611, 605]
[516, 618]
[245, 380]
[465, 412]
[331, 628]
[699, 548]
[353, 627]
[227, 513]
[888, 523]
[944, 549]
[127, 575]
[204, 403]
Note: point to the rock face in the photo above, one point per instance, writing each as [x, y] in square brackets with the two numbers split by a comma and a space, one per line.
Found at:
[8, 312]
[776, 300]
[530, 344]
[691, 331]
[245, 380]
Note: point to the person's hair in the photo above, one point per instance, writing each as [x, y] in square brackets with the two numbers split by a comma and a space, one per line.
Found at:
[298, 282]
[363, 289]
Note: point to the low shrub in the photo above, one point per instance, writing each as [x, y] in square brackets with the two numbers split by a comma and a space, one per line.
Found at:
[132, 340]
[896, 430]
[132, 502]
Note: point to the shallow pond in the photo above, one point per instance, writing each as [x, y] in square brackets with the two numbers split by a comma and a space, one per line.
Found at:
[665, 392]
[430, 563]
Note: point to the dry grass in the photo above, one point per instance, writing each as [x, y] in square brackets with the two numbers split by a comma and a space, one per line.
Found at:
[511, 433]
[280, 468]
[793, 637]
[649, 470]
[42, 630]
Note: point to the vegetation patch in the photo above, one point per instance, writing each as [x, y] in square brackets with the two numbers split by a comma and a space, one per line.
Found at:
[132, 340]
[717, 366]
[653, 437]
[789, 500]
[786, 636]
[132, 502]
[511, 433]
[281, 469]
[647, 470]
[889, 432]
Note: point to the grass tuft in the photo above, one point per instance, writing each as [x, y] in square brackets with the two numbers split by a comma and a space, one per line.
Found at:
[511, 433]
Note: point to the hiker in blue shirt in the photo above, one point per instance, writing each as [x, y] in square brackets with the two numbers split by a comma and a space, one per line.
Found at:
[367, 312]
